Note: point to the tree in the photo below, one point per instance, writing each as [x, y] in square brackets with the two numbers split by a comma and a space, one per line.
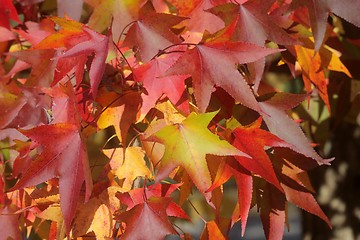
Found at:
[115, 112]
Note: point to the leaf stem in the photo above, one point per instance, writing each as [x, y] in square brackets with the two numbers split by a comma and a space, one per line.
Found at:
[192, 205]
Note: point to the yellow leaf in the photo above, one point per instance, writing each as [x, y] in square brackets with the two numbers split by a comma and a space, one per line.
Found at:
[130, 167]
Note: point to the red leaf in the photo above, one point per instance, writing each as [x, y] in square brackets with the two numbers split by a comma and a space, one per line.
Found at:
[148, 217]
[63, 155]
[9, 223]
[280, 124]
[136, 196]
[7, 12]
[272, 212]
[98, 45]
[252, 140]
[215, 64]
[319, 11]
[151, 32]
[150, 74]
[305, 201]
[253, 14]
[244, 184]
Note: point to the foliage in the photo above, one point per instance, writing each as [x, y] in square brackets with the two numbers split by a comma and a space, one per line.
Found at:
[116, 113]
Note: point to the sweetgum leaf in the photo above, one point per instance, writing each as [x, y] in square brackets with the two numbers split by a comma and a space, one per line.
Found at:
[9, 223]
[136, 196]
[186, 145]
[314, 64]
[150, 75]
[151, 32]
[280, 124]
[65, 158]
[253, 14]
[96, 44]
[118, 12]
[7, 12]
[252, 140]
[215, 64]
[319, 11]
[148, 217]
[272, 212]
[127, 167]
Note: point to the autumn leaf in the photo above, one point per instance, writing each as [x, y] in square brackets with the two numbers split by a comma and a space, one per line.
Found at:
[200, 20]
[9, 223]
[129, 167]
[319, 11]
[42, 72]
[136, 196]
[96, 215]
[65, 158]
[252, 141]
[281, 125]
[186, 145]
[215, 64]
[272, 212]
[253, 14]
[6, 35]
[7, 12]
[150, 75]
[152, 32]
[80, 42]
[118, 12]
[147, 217]
[119, 111]
[314, 64]
[212, 232]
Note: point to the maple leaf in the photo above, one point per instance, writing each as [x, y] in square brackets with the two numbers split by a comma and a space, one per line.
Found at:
[212, 232]
[152, 32]
[272, 212]
[9, 227]
[200, 20]
[121, 112]
[319, 11]
[186, 145]
[147, 217]
[295, 182]
[314, 64]
[137, 196]
[6, 35]
[127, 167]
[252, 14]
[18, 102]
[7, 12]
[80, 42]
[96, 215]
[66, 158]
[150, 74]
[42, 66]
[281, 125]
[97, 45]
[215, 64]
[36, 32]
[118, 12]
[64, 104]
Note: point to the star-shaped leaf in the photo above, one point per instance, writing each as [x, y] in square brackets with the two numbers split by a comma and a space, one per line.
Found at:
[148, 217]
[253, 14]
[215, 64]
[152, 32]
[150, 74]
[186, 145]
[65, 158]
